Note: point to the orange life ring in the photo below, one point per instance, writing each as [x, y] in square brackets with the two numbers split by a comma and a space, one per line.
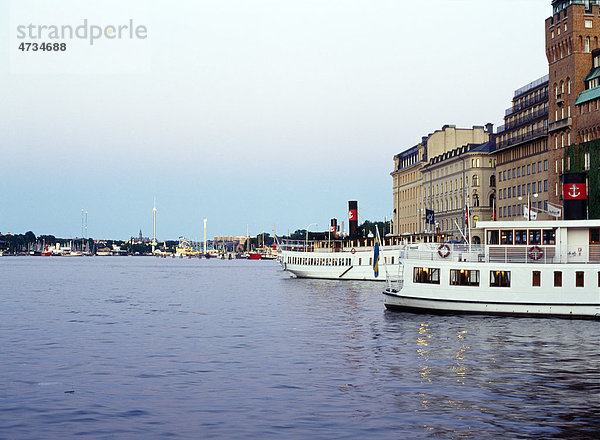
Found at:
[535, 253]
[352, 251]
[443, 250]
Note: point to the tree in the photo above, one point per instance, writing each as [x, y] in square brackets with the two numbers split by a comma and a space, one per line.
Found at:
[30, 237]
[299, 234]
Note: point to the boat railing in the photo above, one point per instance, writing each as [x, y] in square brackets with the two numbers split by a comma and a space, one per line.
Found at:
[318, 246]
[394, 276]
[540, 254]
[446, 251]
[500, 254]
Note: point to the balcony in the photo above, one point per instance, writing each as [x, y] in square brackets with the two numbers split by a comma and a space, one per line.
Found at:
[522, 138]
[517, 106]
[525, 119]
[560, 124]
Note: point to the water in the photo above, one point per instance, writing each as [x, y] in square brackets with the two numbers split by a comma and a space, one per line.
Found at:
[138, 347]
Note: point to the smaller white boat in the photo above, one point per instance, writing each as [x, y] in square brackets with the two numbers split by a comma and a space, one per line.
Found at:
[545, 268]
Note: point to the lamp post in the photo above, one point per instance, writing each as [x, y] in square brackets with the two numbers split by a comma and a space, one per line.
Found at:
[306, 240]
[535, 195]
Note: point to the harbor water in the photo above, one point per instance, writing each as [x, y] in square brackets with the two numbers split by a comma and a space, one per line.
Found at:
[140, 347]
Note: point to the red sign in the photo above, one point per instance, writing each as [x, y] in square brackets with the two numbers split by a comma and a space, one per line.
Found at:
[353, 215]
[574, 191]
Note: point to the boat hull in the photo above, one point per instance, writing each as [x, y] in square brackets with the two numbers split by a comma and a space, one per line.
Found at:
[399, 302]
[346, 265]
[518, 298]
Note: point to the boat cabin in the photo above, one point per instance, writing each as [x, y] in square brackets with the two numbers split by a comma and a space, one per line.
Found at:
[567, 241]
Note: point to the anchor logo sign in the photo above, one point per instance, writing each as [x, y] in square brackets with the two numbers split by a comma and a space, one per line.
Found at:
[574, 191]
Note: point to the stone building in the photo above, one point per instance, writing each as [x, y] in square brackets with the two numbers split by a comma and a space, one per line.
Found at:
[457, 180]
[522, 156]
[409, 195]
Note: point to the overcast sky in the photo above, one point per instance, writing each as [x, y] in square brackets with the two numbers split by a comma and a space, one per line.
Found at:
[250, 113]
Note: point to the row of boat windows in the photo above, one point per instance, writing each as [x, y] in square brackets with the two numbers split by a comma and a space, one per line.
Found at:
[309, 261]
[521, 236]
[531, 236]
[498, 278]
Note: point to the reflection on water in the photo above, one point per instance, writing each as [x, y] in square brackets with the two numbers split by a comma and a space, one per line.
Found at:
[145, 348]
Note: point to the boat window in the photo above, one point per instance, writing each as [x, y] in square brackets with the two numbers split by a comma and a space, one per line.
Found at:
[537, 278]
[521, 237]
[492, 237]
[595, 236]
[579, 279]
[426, 275]
[535, 236]
[506, 236]
[392, 260]
[499, 278]
[557, 279]
[464, 277]
[549, 236]
[598, 279]
[360, 261]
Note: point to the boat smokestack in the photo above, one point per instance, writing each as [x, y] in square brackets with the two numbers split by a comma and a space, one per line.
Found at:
[333, 226]
[352, 218]
[574, 196]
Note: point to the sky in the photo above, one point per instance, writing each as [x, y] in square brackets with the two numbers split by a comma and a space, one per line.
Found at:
[258, 115]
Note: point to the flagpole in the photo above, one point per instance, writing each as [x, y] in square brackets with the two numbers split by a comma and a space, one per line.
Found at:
[381, 244]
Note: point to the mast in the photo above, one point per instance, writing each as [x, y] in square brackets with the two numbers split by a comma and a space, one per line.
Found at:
[205, 220]
[154, 226]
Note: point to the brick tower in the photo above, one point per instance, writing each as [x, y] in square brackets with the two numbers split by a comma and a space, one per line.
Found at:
[572, 33]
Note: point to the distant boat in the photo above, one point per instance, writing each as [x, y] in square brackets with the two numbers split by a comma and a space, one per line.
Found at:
[338, 259]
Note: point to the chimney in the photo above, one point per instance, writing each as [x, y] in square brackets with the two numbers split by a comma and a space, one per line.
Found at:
[352, 217]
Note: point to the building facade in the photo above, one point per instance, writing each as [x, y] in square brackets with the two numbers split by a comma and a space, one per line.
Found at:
[409, 195]
[587, 105]
[455, 183]
[522, 156]
[572, 34]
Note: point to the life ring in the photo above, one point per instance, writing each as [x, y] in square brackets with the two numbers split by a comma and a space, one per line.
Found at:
[352, 251]
[535, 253]
[443, 250]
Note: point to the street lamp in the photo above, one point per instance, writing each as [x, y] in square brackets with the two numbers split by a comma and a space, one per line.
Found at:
[306, 240]
[535, 195]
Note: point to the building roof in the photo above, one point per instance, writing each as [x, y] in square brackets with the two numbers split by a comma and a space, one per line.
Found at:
[485, 147]
[588, 95]
[594, 73]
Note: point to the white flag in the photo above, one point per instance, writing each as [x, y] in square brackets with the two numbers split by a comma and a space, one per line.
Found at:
[554, 211]
[530, 215]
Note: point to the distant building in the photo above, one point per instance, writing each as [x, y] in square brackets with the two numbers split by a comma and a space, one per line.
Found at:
[456, 182]
[522, 156]
[229, 243]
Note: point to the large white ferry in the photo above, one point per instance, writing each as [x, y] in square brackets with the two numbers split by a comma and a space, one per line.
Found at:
[337, 256]
[339, 259]
[532, 268]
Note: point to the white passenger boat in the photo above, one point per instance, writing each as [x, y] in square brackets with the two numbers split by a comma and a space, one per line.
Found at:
[537, 268]
[339, 259]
